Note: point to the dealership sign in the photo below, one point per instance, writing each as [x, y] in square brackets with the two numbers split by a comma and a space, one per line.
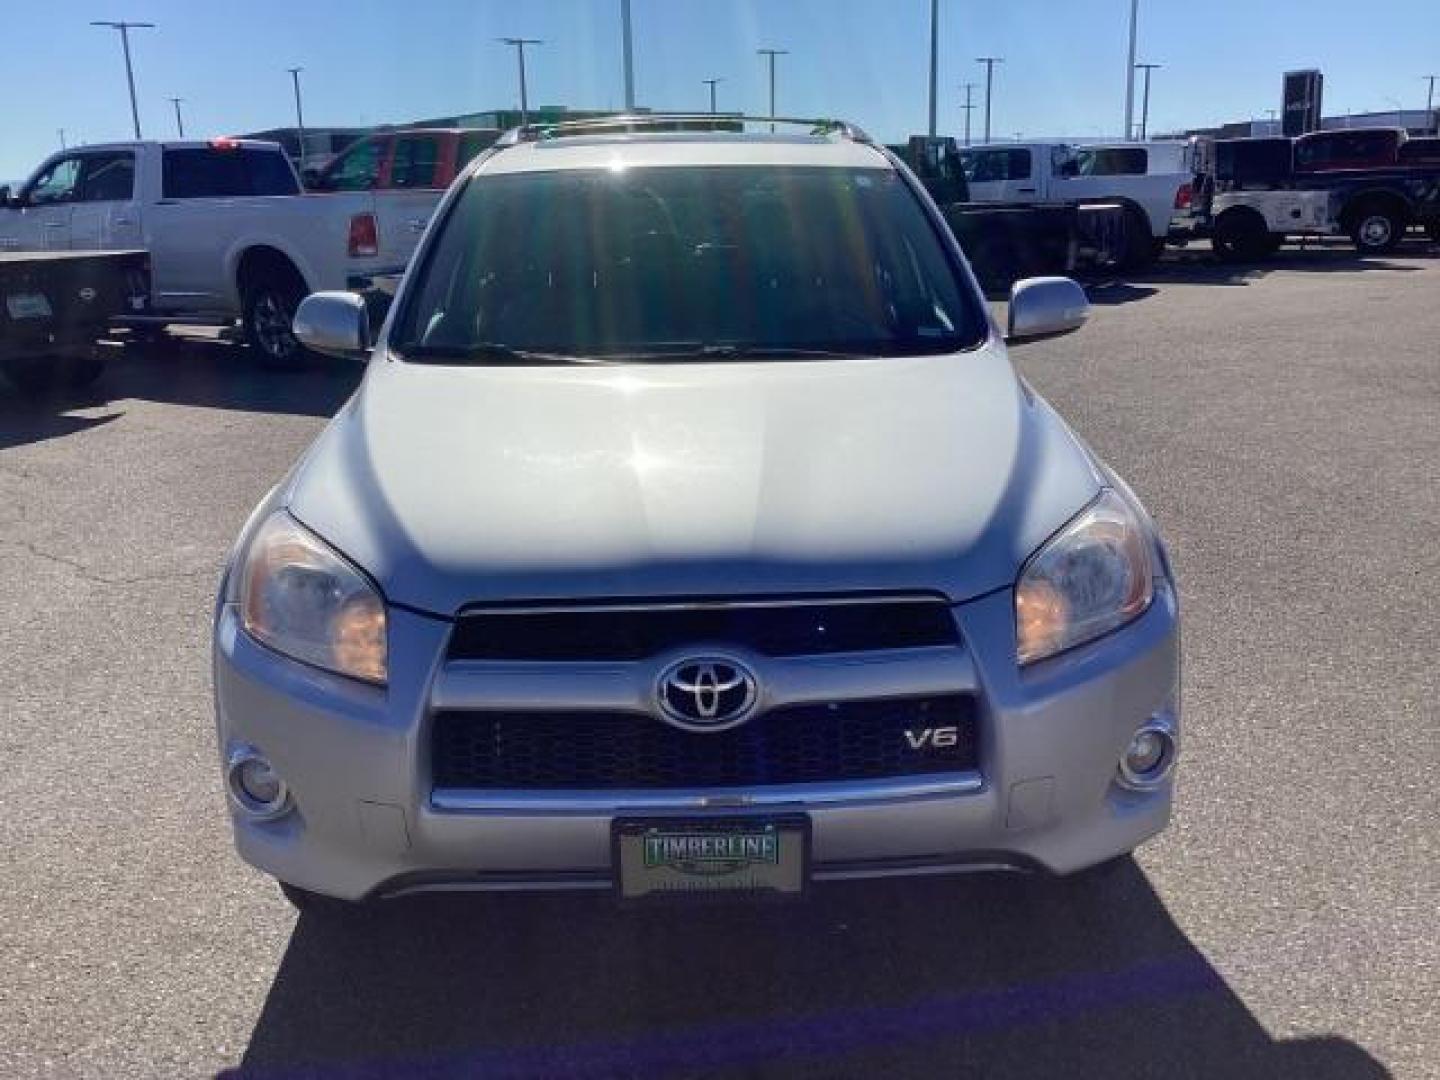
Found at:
[1301, 98]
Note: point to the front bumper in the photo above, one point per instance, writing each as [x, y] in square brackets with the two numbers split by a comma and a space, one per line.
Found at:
[367, 823]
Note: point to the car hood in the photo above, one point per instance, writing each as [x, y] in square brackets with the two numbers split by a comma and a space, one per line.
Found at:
[452, 485]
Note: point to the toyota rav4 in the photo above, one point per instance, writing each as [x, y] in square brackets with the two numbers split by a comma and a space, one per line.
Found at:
[691, 531]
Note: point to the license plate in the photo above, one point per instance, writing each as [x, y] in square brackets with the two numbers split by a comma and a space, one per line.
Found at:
[686, 857]
[28, 306]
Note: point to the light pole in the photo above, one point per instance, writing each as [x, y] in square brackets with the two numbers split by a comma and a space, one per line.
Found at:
[62, 139]
[179, 124]
[1130, 74]
[520, 43]
[989, 62]
[969, 108]
[770, 55]
[934, 57]
[299, 114]
[1430, 99]
[711, 83]
[629, 57]
[1145, 107]
[125, 28]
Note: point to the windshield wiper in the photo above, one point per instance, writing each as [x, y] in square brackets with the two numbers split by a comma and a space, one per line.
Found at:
[701, 352]
[482, 351]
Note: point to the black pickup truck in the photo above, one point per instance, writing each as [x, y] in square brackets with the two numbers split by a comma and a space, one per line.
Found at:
[1256, 192]
[1006, 241]
[55, 305]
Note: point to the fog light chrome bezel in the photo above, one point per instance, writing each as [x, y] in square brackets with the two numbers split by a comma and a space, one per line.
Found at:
[242, 800]
[1155, 777]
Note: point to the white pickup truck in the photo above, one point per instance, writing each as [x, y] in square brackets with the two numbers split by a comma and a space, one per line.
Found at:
[1151, 180]
[231, 234]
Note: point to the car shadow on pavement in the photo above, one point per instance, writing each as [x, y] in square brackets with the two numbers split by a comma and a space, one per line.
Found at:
[185, 370]
[994, 976]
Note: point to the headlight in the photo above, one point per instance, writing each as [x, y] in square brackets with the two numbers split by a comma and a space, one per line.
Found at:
[301, 598]
[1091, 577]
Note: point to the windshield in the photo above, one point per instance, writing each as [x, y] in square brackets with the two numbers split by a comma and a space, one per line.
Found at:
[678, 262]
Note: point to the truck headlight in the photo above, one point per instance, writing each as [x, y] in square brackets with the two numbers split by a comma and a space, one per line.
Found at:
[302, 598]
[1092, 576]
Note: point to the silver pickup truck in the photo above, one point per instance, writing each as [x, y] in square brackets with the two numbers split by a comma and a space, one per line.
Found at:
[230, 232]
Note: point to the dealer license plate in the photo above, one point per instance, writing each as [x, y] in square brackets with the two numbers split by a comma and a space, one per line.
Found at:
[740, 855]
[27, 306]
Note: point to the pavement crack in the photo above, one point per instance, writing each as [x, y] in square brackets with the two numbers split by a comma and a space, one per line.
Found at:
[85, 573]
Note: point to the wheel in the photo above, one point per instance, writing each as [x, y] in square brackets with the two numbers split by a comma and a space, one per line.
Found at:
[1433, 231]
[1157, 247]
[1241, 236]
[268, 309]
[1376, 229]
[39, 375]
[1140, 245]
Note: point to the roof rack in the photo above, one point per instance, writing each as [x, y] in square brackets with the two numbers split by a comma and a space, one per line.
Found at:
[623, 123]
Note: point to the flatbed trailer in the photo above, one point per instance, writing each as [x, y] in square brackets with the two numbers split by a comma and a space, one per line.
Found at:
[55, 306]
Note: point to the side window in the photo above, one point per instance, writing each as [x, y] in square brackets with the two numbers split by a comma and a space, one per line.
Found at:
[269, 173]
[56, 184]
[107, 177]
[357, 169]
[984, 166]
[1017, 165]
[1132, 161]
[203, 173]
[415, 161]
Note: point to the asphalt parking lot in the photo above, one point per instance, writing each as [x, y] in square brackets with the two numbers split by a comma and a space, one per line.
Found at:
[1284, 427]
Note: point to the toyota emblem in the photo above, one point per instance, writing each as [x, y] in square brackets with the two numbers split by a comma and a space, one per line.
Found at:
[707, 693]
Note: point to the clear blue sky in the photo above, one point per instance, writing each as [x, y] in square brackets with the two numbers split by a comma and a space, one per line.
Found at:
[371, 61]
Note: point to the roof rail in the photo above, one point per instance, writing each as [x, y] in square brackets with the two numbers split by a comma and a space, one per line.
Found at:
[622, 123]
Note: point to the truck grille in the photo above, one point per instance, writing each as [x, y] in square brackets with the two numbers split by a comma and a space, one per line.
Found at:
[785, 629]
[851, 740]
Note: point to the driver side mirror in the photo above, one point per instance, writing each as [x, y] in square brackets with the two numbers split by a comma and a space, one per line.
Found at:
[334, 323]
[1045, 307]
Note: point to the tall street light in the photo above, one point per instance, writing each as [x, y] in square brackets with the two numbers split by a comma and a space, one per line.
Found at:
[520, 43]
[969, 108]
[299, 113]
[629, 56]
[125, 28]
[989, 62]
[1130, 74]
[62, 139]
[711, 83]
[179, 124]
[1145, 107]
[770, 55]
[934, 57]
[1430, 98]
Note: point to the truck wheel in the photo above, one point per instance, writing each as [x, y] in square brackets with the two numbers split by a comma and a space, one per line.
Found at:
[1377, 229]
[40, 375]
[1241, 236]
[1140, 246]
[268, 308]
[1433, 231]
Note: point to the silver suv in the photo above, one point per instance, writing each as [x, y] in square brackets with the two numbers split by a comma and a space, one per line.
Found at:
[691, 531]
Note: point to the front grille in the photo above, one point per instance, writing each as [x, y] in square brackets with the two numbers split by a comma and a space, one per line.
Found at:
[609, 633]
[852, 740]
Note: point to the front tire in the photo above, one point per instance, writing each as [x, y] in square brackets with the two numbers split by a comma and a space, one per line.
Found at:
[1242, 237]
[38, 376]
[268, 312]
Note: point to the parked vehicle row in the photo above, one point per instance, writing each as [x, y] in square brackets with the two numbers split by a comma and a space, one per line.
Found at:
[230, 232]
[410, 159]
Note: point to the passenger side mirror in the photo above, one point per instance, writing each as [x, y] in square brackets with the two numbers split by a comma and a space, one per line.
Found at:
[334, 323]
[1045, 307]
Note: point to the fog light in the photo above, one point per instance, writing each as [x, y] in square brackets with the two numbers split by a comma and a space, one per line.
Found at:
[1148, 759]
[255, 786]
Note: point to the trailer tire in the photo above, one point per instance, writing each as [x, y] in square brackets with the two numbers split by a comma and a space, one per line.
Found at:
[1376, 228]
[1141, 248]
[38, 376]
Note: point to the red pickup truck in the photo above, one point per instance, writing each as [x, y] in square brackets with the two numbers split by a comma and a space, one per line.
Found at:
[410, 159]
